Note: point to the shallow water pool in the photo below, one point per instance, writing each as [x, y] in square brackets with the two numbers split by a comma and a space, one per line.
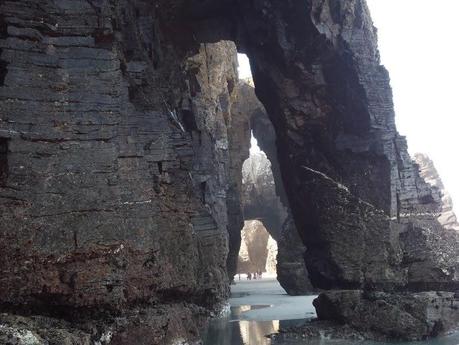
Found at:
[260, 308]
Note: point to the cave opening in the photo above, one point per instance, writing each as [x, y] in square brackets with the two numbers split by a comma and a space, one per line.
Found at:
[258, 252]
[268, 222]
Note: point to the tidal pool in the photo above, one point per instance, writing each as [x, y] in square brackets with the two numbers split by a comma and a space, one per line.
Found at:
[261, 307]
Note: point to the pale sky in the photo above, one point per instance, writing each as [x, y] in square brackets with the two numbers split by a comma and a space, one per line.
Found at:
[254, 148]
[419, 45]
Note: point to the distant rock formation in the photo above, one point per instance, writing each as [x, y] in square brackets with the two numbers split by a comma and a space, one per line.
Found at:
[258, 249]
[261, 198]
[430, 174]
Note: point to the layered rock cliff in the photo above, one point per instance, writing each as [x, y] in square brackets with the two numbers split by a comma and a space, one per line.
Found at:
[114, 160]
[119, 168]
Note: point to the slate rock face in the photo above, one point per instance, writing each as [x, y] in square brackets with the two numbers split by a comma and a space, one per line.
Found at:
[114, 155]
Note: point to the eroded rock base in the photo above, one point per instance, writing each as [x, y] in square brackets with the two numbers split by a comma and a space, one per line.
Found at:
[165, 324]
[381, 315]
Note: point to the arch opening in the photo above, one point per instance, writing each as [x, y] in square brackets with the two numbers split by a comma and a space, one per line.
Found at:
[262, 192]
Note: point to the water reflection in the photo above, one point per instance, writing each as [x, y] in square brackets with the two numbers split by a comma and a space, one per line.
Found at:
[233, 330]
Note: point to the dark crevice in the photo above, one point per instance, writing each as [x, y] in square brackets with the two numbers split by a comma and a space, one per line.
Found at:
[3, 70]
[202, 187]
[3, 161]
[3, 63]
[189, 120]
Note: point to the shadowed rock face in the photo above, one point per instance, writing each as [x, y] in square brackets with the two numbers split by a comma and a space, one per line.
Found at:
[114, 156]
[117, 161]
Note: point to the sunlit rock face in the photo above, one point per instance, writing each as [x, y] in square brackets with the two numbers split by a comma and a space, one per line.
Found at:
[118, 167]
[430, 174]
[271, 259]
[257, 246]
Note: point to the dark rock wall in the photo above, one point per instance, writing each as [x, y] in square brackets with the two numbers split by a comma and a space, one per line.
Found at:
[414, 316]
[351, 184]
[114, 162]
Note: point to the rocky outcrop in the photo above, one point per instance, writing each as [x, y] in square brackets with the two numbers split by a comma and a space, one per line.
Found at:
[115, 157]
[378, 315]
[430, 174]
[366, 216]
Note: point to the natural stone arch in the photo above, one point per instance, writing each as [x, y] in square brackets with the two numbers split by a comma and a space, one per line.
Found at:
[262, 195]
[320, 79]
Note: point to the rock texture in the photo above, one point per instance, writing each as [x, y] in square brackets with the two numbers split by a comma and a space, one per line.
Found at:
[118, 166]
[411, 316]
[114, 155]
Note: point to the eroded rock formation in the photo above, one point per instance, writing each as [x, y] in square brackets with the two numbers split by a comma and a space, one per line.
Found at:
[118, 188]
